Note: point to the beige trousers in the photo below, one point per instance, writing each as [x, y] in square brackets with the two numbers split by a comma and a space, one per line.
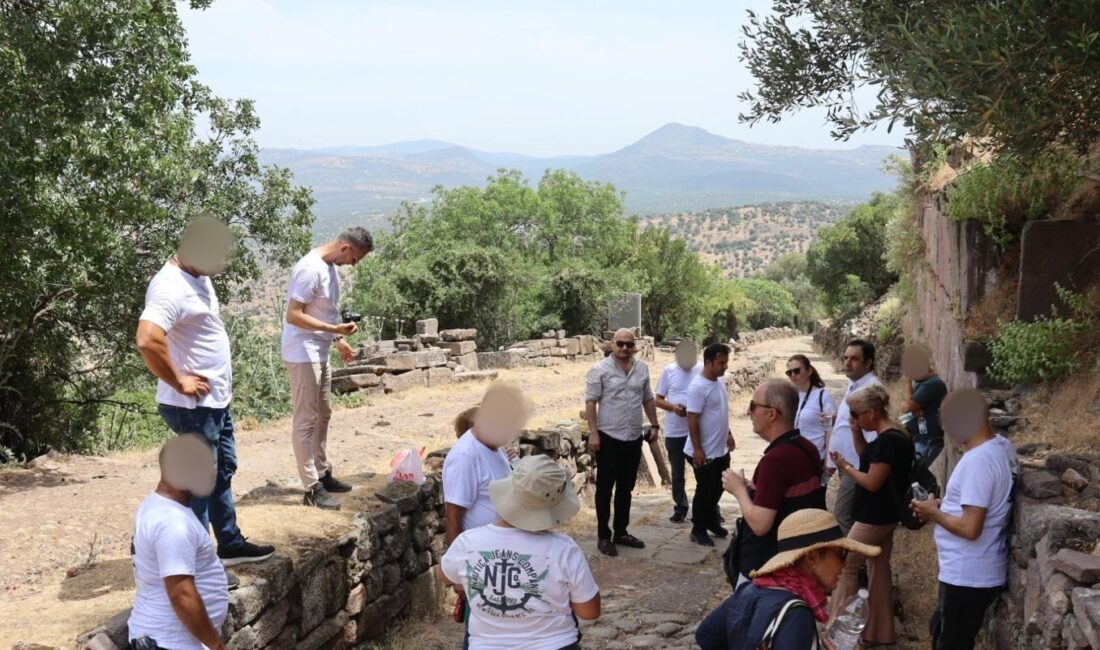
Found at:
[880, 620]
[845, 496]
[311, 392]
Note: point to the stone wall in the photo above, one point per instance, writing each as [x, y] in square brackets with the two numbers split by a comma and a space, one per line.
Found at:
[555, 348]
[338, 591]
[429, 358]
[767, 334]
[959, 269]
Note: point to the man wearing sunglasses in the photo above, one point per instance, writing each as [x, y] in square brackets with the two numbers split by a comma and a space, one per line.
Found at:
[617, 391]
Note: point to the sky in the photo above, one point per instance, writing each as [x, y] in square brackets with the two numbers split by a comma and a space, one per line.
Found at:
[535, 77]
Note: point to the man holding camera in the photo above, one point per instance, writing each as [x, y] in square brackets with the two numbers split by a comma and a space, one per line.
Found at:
[313, 323]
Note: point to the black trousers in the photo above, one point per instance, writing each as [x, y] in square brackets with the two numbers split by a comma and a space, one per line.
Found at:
[708, 490]
[959, 615]
[616, 472]
[676, 461]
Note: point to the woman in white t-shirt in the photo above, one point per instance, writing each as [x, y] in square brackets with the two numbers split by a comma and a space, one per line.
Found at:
[816, 406]
[524, 584]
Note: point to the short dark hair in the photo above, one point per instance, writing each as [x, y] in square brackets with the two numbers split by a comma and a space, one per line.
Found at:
[358, 237]
[867, 347]
[713, 351]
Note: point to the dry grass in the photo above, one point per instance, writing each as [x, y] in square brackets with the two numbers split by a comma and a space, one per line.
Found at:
[982, 321]
[1058, 414]
[916, 567]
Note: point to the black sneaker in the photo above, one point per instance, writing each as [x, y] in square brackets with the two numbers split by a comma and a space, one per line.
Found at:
[629, 541]
[244, 552]
[678, 517]
[334, 485]
[607, 547]
[701, 538]
[318, 496]
[718, 531]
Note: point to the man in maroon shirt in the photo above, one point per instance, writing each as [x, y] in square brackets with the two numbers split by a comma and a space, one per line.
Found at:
[787, 478]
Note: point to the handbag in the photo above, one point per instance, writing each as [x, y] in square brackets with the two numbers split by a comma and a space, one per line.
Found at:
[731, 558]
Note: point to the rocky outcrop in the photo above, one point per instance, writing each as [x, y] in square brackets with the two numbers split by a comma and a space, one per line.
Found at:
[832, 338]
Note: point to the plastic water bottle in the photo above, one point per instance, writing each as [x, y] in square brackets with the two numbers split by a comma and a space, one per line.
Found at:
[848, 626]
[919, 493]
[922, 426]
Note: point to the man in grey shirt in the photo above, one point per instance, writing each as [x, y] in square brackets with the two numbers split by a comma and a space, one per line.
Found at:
[617, 391]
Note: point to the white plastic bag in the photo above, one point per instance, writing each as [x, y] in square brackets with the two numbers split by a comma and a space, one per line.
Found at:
[408, 465]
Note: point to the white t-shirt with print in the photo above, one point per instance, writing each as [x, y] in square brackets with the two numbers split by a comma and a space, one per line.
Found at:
[519, 586]
[810, 409]
[469, 468]
[673, 386]
[170, 541]
[711, 401]
[315, 284]
[187, 309]
[983, 478]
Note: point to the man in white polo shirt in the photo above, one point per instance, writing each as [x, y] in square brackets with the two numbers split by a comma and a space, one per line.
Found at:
[671, 396]
[183, 341]
[859, 366]
[312, 324]
[709, 441]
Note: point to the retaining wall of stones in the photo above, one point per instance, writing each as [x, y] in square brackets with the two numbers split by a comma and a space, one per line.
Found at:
[336, 592]
[555, 348]
[767, 334]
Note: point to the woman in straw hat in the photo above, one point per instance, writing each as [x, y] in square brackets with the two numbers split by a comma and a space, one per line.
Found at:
[525, 585]
[786, 599]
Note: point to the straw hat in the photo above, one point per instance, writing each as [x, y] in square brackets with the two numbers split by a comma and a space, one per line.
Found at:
[805, 531]
[537, 496]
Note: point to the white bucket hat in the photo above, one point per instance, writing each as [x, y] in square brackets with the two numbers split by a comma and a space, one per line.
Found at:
[537, 496]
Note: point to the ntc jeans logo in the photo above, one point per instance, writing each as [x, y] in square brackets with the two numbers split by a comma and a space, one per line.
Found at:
[504, 582]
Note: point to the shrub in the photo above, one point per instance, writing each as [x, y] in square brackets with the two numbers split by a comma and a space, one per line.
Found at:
[1043, 350]
[1007, 192]
[888, 319]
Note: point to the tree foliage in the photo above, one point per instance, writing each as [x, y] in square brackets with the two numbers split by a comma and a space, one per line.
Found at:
[848, 261]
[108, 146]
[1021, 73]
[769, 304]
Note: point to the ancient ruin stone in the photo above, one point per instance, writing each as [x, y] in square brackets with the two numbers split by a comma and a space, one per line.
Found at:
[431, 358]
[468, 361]
[476, 375]
[428, 326]
[1082, 567]
[395, 361]
[440, 376]
[403, 494]
[1086, 609]
[352, 383]
[458, 348]
[1038, 484]
[454, 335]
[1072, 478]
[504, 359]
[404, 381]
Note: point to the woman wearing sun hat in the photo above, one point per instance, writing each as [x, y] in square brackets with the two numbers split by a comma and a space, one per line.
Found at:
[788, 596]
[525, 585]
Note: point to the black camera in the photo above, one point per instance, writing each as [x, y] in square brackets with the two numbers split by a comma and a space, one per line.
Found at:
[349, 316]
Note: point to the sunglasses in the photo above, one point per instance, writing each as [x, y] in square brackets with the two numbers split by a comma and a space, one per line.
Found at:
[794, 372]
[753, 405]
[625, 344]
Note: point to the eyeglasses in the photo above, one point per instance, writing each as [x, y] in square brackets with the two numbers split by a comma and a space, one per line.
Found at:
[794, 372]
[753, 405]
[625, 344]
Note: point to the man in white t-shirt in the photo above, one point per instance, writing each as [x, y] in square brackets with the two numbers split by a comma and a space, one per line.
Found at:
[525, 584]
[181, 596]
[183, 341]
[971, 522]
[312, 324]
[859, 366]
[709, 441]
[671, 396]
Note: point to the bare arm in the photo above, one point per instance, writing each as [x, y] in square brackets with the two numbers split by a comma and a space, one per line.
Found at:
[152, 342]
[872, 480]
[858, 439]
[759, 519]
[664, 404]
[452, 522]
[191, 611]
[699, 457]
[296, 315]
[588, 610]
[968, 526]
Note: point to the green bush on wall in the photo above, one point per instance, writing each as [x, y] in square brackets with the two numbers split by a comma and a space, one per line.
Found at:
[1043, 350]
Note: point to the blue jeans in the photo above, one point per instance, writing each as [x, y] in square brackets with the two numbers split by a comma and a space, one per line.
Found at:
[216, 425]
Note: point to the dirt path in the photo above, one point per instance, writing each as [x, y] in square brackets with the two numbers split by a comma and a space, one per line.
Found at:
[74, 509]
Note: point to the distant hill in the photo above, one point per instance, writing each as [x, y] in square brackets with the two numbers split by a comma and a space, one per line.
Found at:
[743, 240]
[676, 168]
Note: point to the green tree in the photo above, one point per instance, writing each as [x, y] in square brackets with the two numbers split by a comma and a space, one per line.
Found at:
[676, 284]
[771, 304]
[854, 247]
[108, 146]
[790, 270]
[1021, 73]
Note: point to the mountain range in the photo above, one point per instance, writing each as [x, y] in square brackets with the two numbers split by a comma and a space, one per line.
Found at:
[673, 169]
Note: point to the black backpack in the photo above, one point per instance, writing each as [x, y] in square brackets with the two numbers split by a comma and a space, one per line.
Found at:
[919, 474]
